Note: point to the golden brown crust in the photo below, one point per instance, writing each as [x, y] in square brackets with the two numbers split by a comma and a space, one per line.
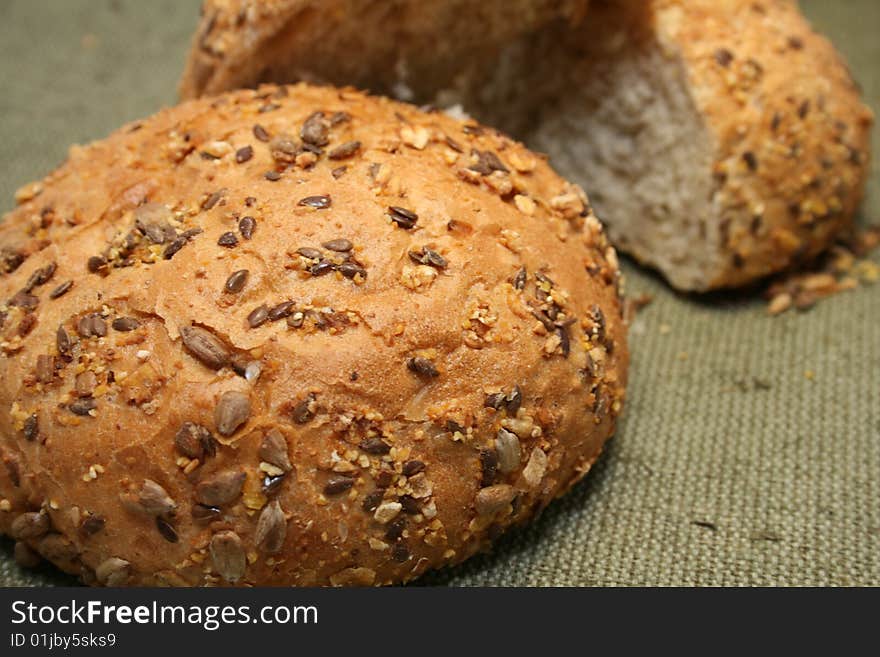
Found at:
[151, 435]
[792, 134]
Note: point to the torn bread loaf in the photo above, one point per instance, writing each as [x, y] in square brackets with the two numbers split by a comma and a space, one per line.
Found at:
[297, 336]
[721, 141]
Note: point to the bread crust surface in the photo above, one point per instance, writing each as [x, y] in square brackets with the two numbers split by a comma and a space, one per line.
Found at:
[298, 336]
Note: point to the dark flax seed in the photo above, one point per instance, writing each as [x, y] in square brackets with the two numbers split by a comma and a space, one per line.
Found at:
[228, 240]
[402, 217]
[61, 290]
[318, 202]
[236, 281]
[247, 226]
[337, 484]
[243, 154]
[258, 316]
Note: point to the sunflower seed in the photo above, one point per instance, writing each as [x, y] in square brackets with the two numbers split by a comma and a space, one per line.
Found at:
[486, 163]
[340, 245]
[62, 341]
[213, 199]
[228, 555]
[318, 202]
[125, 324]
[90, 326]
[309, 252]
[173, 248]
[402, 217]
[314, 131]
[41, 276]
[61, 290]
[26, 325]
[345, 150]
[492, 499]
[29, 525]
[508, 448]
[323, 267]
[338, 484]
[113, 572]
[422, 366]
[221, 488]
[258, 316]
[195, 441]
[282, 310]
[351, 269]
[24, 300]
[155, 500]
[236, 281]
[271, 528]
[233, 410]
[273, 450]
[45, 369]
[426, 256]
[260, 133]
[155, 233]
[205, 347]
[272, 176]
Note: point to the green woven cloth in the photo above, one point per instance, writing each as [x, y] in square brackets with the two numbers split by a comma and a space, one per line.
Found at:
[730, 467]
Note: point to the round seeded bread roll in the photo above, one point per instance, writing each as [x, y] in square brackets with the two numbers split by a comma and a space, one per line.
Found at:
[721, 140]
[298, 336]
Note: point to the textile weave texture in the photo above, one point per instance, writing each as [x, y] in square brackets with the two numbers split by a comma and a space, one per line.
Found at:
[749, 452]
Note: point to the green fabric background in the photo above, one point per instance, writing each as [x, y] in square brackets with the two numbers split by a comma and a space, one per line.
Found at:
[784, 482]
